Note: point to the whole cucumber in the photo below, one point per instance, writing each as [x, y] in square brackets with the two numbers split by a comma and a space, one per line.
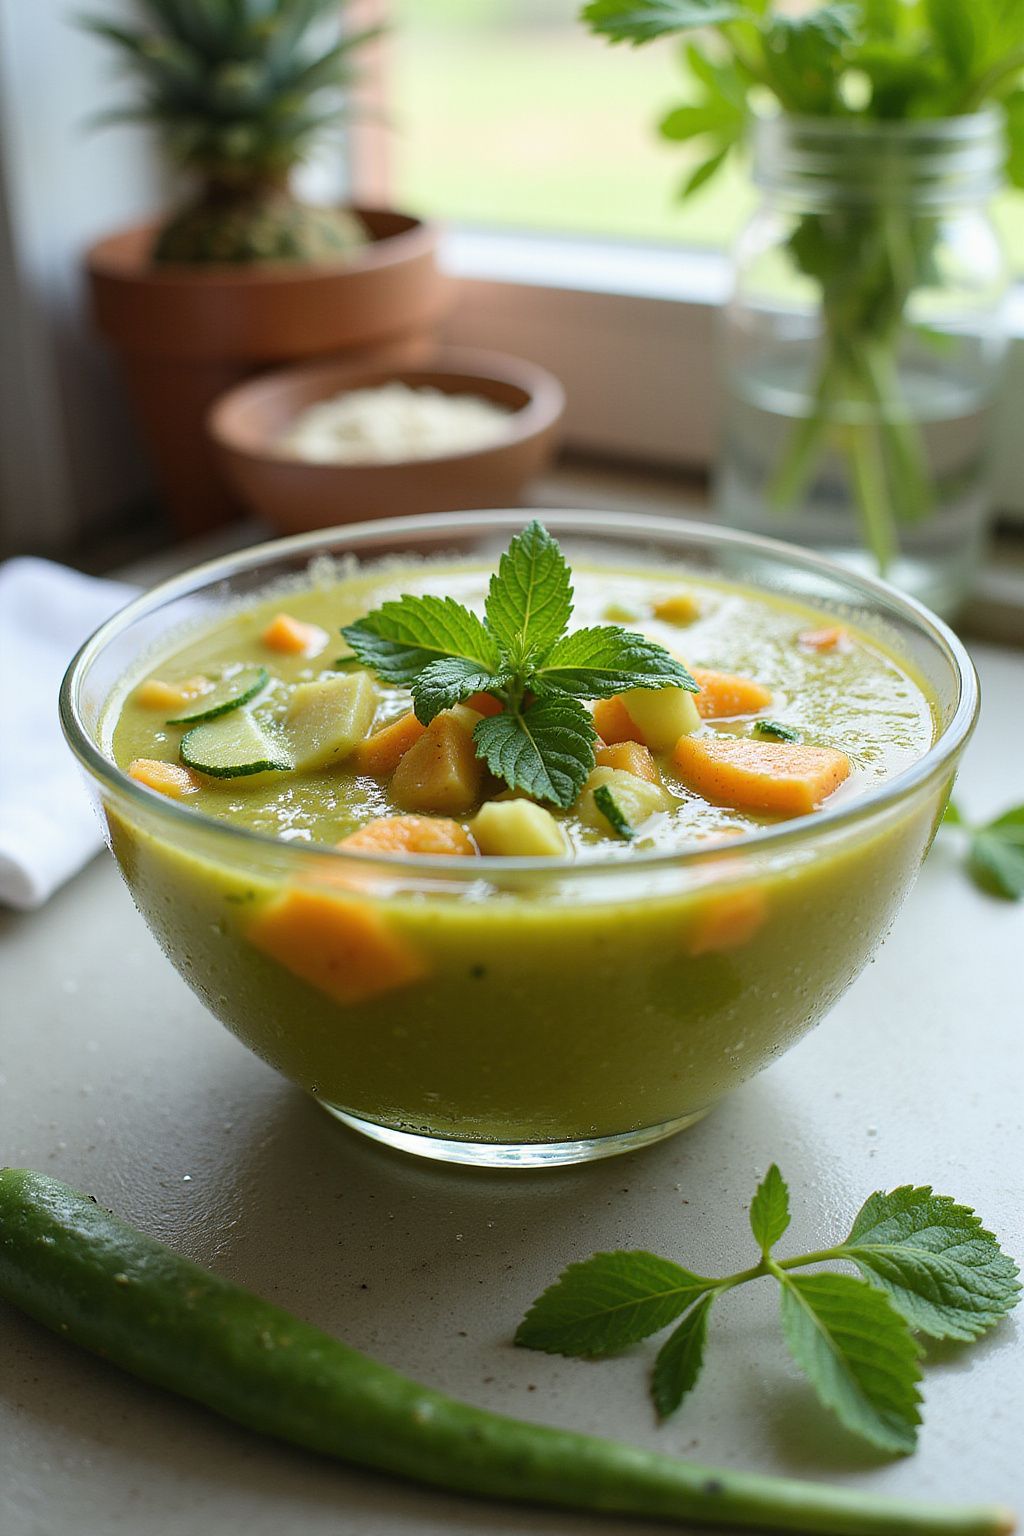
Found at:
[97, 1281]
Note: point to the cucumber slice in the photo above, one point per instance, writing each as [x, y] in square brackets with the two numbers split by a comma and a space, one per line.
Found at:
[233, 747]
[230, 693]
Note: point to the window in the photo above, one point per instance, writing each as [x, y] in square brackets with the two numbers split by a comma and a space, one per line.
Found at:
[509, 113]
[535, 142]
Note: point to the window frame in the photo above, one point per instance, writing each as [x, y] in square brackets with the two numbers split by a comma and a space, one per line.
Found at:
[596, 312]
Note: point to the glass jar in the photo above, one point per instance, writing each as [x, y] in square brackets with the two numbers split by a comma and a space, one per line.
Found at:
[863, 343]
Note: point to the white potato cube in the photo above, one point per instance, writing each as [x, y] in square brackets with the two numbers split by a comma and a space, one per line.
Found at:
[661, 715]
[327, 719]
[518, 829]
[637, 799]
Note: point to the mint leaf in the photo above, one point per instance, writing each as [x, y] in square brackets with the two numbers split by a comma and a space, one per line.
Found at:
[858, 1354]
[774, 731]
[596, 663]
[769, 1210]
[612, 811]
[638, 21]
[400, 638]
[680, 1359]
[447, 682]
[996, 859]
[608, 1302]
[545, 748]
[943, 1272]
[529, 601]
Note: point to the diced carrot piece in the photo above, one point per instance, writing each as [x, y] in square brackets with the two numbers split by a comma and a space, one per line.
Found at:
[611, 719]
[724, 694]
[154, 693]
[834, 638]
[292, 636]
[411, 834]
[441, 771]
[631, 756]
[344, 948]
[680, 608]
[166, 778]
[380, 754]
[778, 777]
[485, 704]
[727, 921]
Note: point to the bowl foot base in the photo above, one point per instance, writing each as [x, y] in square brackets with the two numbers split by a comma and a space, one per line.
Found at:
[511, 1154]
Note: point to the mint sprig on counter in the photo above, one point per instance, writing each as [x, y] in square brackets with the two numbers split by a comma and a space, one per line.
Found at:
[995, 859]
[523, 654]
[926, 1266]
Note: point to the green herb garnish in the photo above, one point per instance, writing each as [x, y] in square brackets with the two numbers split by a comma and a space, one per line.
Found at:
[522, 653]
[612, 811]
[775, 731]
[995, 859]
[927, 1266]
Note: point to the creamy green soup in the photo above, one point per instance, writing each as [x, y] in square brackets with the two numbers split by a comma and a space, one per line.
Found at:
[560, 1007]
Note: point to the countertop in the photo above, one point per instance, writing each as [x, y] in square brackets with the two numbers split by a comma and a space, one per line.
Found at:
[114, 1078]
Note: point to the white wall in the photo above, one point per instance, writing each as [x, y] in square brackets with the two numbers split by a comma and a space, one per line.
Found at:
[67, 451]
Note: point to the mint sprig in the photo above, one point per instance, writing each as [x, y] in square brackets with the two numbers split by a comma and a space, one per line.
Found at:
[995, 857]
[523, 654]
[926, 1266]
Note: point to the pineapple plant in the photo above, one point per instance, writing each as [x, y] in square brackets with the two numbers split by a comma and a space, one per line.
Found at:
[239, 90]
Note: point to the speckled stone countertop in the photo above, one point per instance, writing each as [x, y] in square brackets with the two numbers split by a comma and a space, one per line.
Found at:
[113, 1077]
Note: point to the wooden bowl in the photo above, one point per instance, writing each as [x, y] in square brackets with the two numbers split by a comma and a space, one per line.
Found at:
[246, 426]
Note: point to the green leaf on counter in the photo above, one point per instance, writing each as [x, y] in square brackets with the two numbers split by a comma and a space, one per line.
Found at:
[941, 1269]
[769, 1210]
[858, 1353]
[607, 1302]
[995, 857]
[680, 1359]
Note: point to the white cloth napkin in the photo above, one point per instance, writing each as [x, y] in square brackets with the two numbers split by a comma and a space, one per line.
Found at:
[48, 828]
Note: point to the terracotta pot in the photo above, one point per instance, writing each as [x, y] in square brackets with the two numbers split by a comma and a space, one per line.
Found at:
[294, 495]
[186, 334]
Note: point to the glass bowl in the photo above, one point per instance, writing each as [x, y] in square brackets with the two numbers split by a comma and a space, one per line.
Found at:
[554, 1012]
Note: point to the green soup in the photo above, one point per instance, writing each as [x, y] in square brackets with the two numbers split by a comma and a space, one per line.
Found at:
[592, 996]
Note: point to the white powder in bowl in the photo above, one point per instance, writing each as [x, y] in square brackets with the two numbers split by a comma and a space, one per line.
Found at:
[392, 422]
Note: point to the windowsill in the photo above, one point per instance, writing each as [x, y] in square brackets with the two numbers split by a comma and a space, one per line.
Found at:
[630, 331]
[683, 274]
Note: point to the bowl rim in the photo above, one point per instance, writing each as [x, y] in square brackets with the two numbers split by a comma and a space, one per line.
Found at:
[782, 836]
[542, 409]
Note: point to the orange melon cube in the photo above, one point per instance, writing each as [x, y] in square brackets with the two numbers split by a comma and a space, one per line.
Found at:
[441, 771]
[293, 637]
[727, 921]
[679, 608]
[778, 778]
[612, 721]
[632, 757]
[484, 704]
[380, 754]
[166, 778]
[411, 834]
[344, 948]
[154, 693]
[724, 694]
[833, 638]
